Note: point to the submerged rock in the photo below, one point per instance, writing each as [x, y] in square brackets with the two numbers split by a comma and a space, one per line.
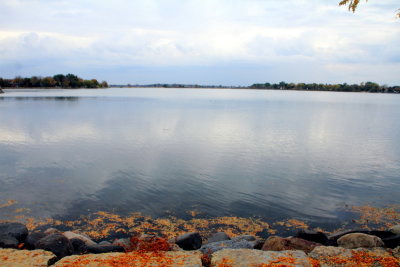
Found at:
[189, 241]
[25, 258]
[17, 230]
[381, 234]
[359, 240]
[276, 243]
[56, 243]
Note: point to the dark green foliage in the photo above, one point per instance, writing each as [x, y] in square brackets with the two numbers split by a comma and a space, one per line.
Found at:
[57, 81]
[363, 87]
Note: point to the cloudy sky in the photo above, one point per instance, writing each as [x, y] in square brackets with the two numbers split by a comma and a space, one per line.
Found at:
[228, 42]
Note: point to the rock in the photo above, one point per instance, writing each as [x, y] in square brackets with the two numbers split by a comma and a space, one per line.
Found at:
[1, 91]
[32, 238]
[51, 231]
[104, 249]
[248, 257]
[236, 243]
[342, 257]
[276, 243]
[189, 241]
[7, 241]
[392, 242]
[56, 243]
[17, 230]
[79, 246]
[70, 235]
[123, 242]
[359, 240]
[322, 252]
[395, 229]
[180, 258]
[381, 234]
[396, 252]
[313, 236]
[104, 243]
[245, 237]
[25, 258]
[220, 236]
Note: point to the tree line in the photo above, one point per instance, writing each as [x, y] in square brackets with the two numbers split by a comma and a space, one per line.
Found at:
[370, 87]
[57, 81]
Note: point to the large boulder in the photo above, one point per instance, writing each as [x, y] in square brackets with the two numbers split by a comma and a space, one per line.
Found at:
[7, 241]
[359, 240]
[56, 243]
[189, 241]
[25, 258]
[276, 243]
[313, 236]
[179, 258]
[32, 238]
[240, 242]
[334, 237]
[17, 230]
[251, 257]
[342, 257]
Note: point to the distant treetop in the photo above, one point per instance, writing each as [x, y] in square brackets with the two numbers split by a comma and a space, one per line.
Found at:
[57, 81]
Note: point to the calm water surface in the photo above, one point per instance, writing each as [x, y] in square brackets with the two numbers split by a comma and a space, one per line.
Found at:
[273, 154]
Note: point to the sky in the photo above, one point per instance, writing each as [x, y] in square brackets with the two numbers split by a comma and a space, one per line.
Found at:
[209, 42]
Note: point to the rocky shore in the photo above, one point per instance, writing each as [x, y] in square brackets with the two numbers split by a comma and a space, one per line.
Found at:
[19, 247]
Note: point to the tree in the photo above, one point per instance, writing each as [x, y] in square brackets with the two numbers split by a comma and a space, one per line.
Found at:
[353, 4]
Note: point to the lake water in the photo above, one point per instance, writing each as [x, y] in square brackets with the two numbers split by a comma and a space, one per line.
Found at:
[272, 154]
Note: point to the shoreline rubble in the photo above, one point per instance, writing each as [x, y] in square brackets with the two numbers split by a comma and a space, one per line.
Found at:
[18, 247]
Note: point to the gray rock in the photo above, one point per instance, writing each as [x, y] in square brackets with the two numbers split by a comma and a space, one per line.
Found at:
[396, 252]
[359, 240]
[52, 231]
[79, 246]
[245, 237]
[17, 230]
[220, 236]
[395, 229]
[7, 241]
[189, 241]
[392, 242]
[123, 242]
[70, 235]
[32, 238]
[381, 234]
[240, 243]
[313, 236]
[104, 243]
[1, 91]
[56, 243]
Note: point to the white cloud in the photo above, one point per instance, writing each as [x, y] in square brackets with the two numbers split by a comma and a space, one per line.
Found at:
[93, 35]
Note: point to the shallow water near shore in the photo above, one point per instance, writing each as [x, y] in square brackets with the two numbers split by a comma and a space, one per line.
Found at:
[274, 155]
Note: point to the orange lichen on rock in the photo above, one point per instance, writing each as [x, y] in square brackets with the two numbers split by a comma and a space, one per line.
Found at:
[8, 203]
[362, 259]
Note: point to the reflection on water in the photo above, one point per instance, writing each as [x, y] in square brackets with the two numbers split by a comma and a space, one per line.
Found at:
[221, 152]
